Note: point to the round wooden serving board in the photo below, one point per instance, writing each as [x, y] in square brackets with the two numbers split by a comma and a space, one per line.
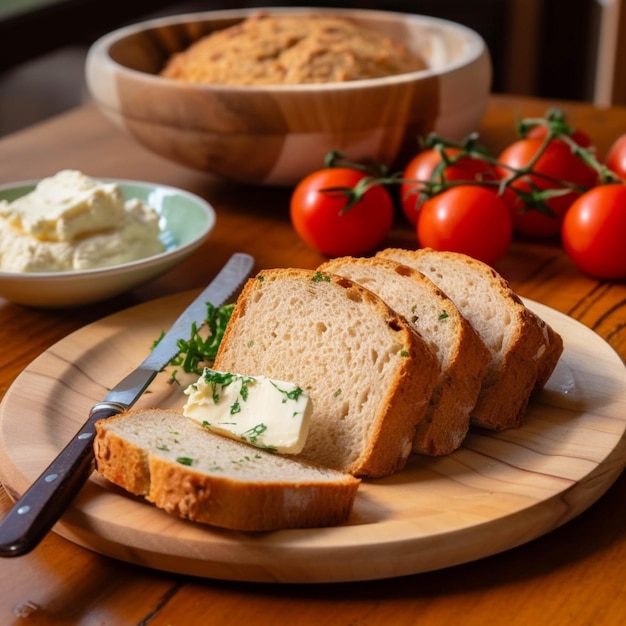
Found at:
[498, 491]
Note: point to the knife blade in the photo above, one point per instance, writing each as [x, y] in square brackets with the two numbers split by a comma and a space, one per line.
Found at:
[40, 507]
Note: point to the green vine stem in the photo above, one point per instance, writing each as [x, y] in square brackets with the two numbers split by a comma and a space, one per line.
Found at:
[557, 129]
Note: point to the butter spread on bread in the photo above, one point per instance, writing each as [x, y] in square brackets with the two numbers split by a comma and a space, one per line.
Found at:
[262, 412]
[369, 375]
[198, 475]
[463, 357]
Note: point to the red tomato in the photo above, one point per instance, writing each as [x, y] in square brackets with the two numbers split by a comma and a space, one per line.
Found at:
[579, 136]
[470, 219]
[557, 163]
[422, 168]
[320, 217]
[593, 232]
[616, 157]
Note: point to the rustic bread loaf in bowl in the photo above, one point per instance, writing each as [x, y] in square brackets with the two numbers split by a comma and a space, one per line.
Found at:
[274, 134]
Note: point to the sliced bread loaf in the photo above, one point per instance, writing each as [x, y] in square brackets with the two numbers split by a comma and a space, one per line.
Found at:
[368, 374]
[524, 349]
[195, 474]
[463, 357]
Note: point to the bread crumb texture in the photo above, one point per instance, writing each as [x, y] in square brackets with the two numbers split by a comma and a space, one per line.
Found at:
[190, 472]
[368, 375]
[463, 358]
[524, 349]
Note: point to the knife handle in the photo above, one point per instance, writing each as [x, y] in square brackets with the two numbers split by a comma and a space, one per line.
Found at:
[36, 512]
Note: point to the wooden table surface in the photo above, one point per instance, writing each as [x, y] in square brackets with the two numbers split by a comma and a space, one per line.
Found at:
[573, 575]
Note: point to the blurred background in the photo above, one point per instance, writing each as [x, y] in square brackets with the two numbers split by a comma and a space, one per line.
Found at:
[559, 49]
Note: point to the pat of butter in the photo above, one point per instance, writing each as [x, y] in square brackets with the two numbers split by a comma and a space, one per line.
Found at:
[260, 411]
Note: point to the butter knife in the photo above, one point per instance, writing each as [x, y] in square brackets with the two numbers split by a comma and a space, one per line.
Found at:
[36, 512]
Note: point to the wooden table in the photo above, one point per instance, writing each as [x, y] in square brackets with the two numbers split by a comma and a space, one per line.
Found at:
[573, 575]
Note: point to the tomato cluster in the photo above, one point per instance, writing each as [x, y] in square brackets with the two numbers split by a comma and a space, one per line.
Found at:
[548, 183]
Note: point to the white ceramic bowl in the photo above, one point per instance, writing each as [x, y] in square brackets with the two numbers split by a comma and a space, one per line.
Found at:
[277, 134]
[186, 220]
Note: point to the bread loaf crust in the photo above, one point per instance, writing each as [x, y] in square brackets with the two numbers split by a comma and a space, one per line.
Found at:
[314, 329]
[231, 497]
[282, 49]
[462, 354]
[529, 348]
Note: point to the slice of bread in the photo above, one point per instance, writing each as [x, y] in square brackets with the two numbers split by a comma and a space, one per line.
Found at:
[195, 474]
[524, 349]
[368, 374]
[463, 357]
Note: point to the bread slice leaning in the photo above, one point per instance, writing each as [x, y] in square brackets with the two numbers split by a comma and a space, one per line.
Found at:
[463, 357]
[524, 349]
[195, 474]
[368, 374]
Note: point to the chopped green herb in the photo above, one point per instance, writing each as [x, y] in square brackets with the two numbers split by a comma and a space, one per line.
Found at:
[198, 351]
[294, 394]
[444, 315]
[219, 380]
[404, 353]
[254, 433]
[184, 460]
[320, 277]
[336, 393]
[163, 448]
[252, 436]
[243, 392]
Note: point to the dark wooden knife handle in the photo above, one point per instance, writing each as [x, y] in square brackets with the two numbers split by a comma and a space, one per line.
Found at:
[41, 506]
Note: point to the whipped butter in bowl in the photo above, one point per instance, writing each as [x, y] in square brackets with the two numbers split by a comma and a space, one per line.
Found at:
[69, 239]
[73, 222]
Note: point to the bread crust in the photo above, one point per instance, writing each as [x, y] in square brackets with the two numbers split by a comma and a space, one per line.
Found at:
[464, 361]
[281, 49]
[221, 499]
[532, 347]
[315, 302]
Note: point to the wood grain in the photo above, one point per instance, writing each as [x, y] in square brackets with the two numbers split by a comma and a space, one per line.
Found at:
[498, 491]
[571, 576]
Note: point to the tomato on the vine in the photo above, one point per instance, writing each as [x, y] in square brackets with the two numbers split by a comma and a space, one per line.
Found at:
[470, 219]
[616, 157]
[555, 166]
[578, 135]
[320, 215]
[422, 167]
[593, 231]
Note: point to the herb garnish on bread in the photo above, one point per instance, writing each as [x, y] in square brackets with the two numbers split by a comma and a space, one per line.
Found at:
[368, 374]
[195, 474]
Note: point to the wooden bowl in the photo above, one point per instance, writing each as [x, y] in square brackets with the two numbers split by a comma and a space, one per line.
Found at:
[275, 135]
